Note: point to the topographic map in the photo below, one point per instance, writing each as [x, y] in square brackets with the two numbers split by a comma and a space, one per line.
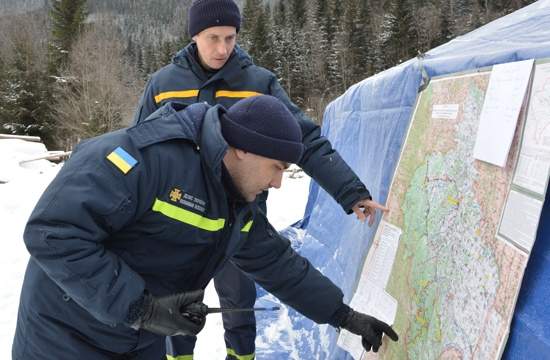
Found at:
[456, 283]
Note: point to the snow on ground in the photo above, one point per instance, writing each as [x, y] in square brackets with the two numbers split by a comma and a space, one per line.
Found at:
[22, 184]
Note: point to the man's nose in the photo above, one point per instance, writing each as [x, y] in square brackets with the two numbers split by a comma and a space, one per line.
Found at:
[222, 49]
[277, 180]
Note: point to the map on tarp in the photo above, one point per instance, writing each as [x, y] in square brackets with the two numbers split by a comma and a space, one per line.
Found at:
[455, 279]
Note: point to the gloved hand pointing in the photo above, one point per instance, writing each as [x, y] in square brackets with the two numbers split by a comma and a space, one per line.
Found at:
[369, 328]
[164, 316]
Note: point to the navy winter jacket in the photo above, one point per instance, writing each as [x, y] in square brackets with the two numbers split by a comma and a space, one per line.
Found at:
[185, 82]
[106, 230]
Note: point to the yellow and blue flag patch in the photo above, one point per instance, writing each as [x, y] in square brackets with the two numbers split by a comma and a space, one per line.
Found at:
[122, 160]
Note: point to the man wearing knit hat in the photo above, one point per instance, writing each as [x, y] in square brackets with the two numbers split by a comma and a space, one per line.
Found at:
[138, 221]
[214, 69]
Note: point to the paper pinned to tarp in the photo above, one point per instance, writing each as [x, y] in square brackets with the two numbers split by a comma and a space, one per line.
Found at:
[499, 116]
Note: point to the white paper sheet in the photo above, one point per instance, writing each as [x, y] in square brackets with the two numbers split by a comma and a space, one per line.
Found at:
[534, 159]
[371, 300]
[521, 219]
[532, 170]
[503, 101]
[370, 297]
[378, 303]
[384, 250]
[351, 343]
[445, 111]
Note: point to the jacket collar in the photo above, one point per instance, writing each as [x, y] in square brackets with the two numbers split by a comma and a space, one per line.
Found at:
[198, 123]
[212, 144]
[163, 125]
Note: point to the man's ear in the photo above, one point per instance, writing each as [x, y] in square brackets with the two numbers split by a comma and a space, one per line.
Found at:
[240, 154]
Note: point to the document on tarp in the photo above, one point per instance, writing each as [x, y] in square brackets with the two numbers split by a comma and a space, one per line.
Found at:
[520, 219]
[445, 111]
[375, 301]
[372, 301]
[503, 101]
[370, 297]
[534, 158]
[377, 268]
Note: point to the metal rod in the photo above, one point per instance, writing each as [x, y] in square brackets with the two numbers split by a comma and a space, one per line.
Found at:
[225, 310]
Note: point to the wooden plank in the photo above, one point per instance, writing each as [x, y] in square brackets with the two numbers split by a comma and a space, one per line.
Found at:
[51, 155]
[21, 137]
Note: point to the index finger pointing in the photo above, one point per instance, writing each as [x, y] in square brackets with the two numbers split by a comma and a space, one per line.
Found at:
[376, 205]
[388, 330]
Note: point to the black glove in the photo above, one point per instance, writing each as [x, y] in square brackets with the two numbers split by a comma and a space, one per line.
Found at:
[369, 328]
[164, 316]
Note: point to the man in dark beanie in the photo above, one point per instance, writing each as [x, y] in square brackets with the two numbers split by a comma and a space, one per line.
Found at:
[204, 14]
[263, 135]
[138, 221]
[214, 69]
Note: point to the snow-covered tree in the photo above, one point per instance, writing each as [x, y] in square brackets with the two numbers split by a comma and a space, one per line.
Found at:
[255, 33]
[357, 55]
[280, 40]
[4, 112]
[67, 19]
[27, 98]
[398, 36]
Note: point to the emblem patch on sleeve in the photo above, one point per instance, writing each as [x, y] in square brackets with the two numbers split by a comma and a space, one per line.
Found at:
[122, 160]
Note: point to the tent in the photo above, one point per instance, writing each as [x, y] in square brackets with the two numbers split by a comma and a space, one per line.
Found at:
[368, 125]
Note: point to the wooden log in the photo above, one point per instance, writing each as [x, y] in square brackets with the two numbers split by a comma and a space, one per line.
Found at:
[21, 137]
[51, 155]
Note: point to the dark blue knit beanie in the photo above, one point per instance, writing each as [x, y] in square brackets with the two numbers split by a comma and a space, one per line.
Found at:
[264, 126]
[208, 13]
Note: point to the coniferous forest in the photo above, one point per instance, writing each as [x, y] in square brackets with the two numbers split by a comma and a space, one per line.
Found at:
[73, 69]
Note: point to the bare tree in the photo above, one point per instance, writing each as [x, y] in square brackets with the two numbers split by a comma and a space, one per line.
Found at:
[99, 90]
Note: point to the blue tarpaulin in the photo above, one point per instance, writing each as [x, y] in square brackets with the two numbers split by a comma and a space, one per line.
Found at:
[367, 125]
